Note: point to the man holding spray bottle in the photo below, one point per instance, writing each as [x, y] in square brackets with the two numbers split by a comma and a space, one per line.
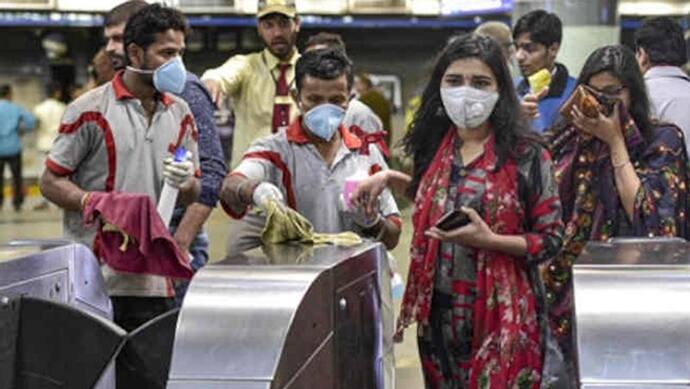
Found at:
[117, 137]
[187, 222]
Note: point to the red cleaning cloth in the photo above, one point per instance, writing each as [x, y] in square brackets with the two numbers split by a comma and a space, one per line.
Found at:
[150, 249]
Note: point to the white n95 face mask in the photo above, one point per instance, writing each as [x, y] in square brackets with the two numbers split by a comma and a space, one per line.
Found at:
[468, 107]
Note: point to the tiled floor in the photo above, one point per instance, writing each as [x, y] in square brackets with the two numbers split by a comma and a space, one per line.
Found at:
[46, 224]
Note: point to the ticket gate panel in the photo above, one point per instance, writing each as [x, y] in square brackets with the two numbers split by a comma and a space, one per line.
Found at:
[272, 318]
[54, 270]
[59, 271]
[632, 313]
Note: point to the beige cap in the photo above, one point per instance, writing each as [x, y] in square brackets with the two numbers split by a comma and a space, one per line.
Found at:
[284, 7]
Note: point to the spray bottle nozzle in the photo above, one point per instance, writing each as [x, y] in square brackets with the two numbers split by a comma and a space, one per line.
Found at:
[180, 154]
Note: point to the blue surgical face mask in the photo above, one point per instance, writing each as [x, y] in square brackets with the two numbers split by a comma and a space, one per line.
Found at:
[324, 120]
[167, 78]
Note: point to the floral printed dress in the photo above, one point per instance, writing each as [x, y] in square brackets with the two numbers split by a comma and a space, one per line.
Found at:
[592, 208]
[481, 327]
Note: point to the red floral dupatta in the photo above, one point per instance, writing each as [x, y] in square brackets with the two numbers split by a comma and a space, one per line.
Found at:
[506, 339]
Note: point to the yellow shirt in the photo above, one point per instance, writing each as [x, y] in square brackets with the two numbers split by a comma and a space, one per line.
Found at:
[247, 81]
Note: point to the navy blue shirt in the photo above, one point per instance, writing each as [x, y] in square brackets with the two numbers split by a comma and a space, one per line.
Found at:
[561, 87]
[211, 159]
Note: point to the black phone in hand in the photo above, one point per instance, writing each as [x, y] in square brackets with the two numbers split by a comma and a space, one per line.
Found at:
[453, 220]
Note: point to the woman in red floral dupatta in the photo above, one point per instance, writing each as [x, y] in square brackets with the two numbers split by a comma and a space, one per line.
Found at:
[471, 289]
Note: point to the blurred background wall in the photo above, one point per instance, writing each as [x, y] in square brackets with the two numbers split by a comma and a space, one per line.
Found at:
[45, 40]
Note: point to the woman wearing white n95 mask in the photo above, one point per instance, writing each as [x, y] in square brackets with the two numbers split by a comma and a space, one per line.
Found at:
[470, 287]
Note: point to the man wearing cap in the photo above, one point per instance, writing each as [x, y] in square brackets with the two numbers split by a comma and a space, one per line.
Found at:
[259, 84]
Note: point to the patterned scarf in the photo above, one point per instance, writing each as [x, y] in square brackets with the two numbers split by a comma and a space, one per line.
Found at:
[506, 338]
[590, 204]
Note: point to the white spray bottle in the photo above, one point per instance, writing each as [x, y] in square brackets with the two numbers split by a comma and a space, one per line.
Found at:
[168, 198]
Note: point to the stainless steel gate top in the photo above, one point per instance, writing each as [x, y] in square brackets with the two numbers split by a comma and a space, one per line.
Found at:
[632, 313]
[60, 271]
[272, 319]
[54, 270]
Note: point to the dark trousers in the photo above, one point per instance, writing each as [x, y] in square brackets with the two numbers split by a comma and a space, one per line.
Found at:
[132, 312]
[15, 162]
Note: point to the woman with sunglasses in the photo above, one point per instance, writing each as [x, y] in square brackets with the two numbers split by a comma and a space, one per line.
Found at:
[470, 288]
[619, 173]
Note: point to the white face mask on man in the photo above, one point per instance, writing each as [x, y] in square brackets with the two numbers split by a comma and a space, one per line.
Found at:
[468, 107]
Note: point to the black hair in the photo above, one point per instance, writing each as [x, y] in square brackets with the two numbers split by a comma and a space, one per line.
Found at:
[431, 122]
[543, 27]
[621, 63]
[328, 39]
[662, 39]
[123, 12]
[326, 64]
[5, 90]
[143, 26]
[53, 87]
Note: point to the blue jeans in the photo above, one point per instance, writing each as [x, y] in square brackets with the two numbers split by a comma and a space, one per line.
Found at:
[198, 249]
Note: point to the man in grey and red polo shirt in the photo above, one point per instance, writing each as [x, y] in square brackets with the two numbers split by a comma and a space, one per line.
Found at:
[306, 165]
[116, 138]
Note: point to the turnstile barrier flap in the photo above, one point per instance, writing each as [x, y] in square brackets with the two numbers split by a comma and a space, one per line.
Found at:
[632, 309]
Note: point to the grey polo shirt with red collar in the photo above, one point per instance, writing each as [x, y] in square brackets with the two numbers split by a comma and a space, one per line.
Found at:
[290, 161]
[106, 143]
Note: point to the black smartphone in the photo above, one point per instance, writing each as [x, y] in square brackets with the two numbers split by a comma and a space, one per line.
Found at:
[452, 220]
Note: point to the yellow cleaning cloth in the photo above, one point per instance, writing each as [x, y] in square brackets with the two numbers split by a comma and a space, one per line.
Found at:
[284, 224]
[539, 80]
[107, 227]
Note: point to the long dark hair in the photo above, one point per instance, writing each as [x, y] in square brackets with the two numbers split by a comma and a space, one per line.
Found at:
[621, 63]
[431, 122]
